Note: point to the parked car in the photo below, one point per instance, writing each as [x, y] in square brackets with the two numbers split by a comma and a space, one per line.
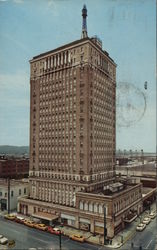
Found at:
[141, 227]
[53, 230]
[77, 237]
[3, 240]
[40, 226]
[11, 243]
[152, 215]
[29, 223]
[20, 220]
[146, 220]
[9, 217]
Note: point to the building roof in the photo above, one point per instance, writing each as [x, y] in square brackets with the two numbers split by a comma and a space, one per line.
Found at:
[71, 44]
[13, 182]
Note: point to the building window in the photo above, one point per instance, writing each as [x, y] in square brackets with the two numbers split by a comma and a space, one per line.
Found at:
[0, 193]
[12, 193]
[19, 191]
[24, 190]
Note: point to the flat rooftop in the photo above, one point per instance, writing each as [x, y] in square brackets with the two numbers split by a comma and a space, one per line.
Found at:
[108, 192]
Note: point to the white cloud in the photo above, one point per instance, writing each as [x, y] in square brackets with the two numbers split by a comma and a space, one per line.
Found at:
[52, 6]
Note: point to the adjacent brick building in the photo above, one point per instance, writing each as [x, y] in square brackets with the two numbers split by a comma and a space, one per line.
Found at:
[14, 168]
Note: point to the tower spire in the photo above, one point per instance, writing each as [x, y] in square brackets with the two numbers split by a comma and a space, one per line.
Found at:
[84, 22]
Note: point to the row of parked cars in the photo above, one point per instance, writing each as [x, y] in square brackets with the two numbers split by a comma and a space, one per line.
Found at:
[43, 227]
[32, 224]
[145, 222]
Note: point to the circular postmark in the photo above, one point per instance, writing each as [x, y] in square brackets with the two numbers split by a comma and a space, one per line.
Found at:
[130, 103]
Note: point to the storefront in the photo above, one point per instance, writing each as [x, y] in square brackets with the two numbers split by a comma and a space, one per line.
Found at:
[3, 204]
[84, 224]
[99, 228]
[68, 219]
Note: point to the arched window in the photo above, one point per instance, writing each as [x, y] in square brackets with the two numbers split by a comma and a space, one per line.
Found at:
[86, 206]
[81, 205]
[100, 209]
[91, 207]
[95, 208]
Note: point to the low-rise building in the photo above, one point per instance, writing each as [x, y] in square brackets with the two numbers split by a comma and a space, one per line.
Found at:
[110, 207]
[14, 167]
[18, 188]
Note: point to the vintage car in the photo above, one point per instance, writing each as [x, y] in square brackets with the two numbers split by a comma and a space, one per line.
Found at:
[77, 237]
[54, 230]
[146, 220]
[29, 223]
[10, 216]
[42, 227]
[152, 215]
[140, 227]
[11, 243]
[20, 220]
[3, 240]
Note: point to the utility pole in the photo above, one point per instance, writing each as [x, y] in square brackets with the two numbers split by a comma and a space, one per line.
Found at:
[142, 157]
[105, 229]
[8, 195]
[60, 241]
[131, 154]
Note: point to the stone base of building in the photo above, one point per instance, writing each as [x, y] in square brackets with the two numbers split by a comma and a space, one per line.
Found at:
[93, 211]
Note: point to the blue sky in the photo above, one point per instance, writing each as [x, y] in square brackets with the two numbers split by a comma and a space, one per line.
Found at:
[127, 30]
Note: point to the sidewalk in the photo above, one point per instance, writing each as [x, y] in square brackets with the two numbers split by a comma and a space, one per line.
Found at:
[120, 239]
[89, 237]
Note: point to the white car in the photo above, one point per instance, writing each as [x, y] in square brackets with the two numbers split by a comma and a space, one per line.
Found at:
[141, 227]
[146, 220]
[152, 215]
[3, 240]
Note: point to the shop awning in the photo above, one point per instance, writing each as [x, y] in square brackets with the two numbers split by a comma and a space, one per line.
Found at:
[45, 216]
[129, 220]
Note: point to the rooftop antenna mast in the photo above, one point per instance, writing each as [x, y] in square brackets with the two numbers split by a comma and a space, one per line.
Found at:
[84, 22]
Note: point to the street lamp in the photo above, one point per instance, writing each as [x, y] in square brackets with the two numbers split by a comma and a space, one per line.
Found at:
[8, 195]
[142, 157]
[105, 229]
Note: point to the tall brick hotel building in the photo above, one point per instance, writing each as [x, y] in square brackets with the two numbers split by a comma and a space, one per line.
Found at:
[72, 140]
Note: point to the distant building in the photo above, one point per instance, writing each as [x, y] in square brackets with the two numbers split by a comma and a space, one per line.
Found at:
[14, 167]
[72, 140]
[18, 188]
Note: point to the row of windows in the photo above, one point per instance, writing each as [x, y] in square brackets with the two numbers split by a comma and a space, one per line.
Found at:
[126, 201]
[100, 75]
[58, 75]
[12, 193]
[62, 163]
[51, 81]
[59, 113]
[56, 125]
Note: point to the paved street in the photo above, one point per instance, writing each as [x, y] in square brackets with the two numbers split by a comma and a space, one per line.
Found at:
[31, 238]
[146, 239]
